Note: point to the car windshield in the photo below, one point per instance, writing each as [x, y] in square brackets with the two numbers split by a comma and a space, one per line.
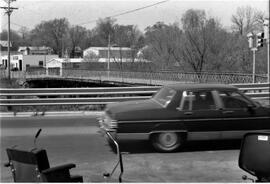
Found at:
[164, 96]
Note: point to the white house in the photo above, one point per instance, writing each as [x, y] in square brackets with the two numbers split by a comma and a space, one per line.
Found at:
[15, 61]
[55, 65]
[116, 54]
[26, 57]
[101, 54]
[22, 62]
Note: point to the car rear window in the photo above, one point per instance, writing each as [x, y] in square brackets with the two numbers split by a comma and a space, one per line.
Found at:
[233, 100]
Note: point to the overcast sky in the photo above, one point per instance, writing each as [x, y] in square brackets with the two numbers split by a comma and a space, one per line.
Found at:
[86, 12]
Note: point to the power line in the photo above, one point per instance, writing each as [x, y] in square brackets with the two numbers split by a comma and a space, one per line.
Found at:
[18, 25]
[127, 12]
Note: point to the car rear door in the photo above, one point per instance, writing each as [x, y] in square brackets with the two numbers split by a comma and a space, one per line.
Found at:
[199, 111]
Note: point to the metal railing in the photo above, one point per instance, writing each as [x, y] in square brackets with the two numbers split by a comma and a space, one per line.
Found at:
[91, 96]
[147, 78]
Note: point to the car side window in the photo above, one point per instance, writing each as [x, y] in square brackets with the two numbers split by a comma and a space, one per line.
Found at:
[186, 101]
[233, 100]
[197, 100]
[203, 100]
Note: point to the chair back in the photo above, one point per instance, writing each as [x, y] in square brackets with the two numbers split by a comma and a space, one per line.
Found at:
[27, 165]
[254, 155]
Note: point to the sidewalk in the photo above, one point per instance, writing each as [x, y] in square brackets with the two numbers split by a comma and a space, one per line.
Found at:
[55, 113]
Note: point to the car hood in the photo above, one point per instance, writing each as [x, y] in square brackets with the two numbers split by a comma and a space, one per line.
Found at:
[131, 109]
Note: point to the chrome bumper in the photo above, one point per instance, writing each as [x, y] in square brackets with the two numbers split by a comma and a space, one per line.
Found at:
[104, 129]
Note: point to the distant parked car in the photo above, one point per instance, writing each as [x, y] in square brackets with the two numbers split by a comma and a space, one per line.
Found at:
[180, 113]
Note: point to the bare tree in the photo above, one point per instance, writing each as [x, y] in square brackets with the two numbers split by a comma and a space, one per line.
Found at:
[247, 19]
[52, 33]
[77, 36]
[195, 41]
[204, 42]
[163, 45]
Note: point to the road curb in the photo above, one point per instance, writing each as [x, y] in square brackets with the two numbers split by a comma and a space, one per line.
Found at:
[56, 113]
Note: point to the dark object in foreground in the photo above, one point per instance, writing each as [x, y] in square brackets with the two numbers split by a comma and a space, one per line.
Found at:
[33, 166]
[254, 156]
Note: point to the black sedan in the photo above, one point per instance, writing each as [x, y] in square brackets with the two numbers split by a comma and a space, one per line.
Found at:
[179, 113]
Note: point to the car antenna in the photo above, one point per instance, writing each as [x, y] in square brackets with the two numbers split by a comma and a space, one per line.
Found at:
[36, 136]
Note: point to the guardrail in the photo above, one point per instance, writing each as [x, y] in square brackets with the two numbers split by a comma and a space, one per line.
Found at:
[92, 96]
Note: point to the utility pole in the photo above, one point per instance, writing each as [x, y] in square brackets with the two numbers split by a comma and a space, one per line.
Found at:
[9, 10]
[108, 63]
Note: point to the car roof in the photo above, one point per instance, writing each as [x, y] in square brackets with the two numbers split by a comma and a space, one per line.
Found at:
[201, 86]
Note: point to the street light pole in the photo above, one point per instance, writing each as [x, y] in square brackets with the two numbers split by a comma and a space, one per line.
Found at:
[253, 49]
[254, 64]
[266, 33]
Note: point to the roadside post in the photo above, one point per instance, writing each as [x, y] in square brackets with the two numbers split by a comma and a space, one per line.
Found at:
[251, 40]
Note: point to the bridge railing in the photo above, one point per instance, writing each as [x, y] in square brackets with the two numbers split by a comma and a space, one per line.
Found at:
[162, 77]
[91, 96]
[147, 78]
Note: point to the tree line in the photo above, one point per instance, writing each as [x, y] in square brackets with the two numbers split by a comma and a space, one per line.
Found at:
[196, 43]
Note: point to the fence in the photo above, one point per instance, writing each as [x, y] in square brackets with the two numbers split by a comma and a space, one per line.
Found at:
[147, 78]
[87, 96]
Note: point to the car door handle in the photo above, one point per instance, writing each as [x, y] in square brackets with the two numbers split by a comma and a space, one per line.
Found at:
[188, 113]
[227, 112]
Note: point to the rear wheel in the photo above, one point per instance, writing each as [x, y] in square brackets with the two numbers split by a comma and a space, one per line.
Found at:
[167, 141]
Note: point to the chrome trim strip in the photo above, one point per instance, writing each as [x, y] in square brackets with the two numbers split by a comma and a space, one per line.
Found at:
[183, 120]
[210, 135]
[133, 136]
[220, 135]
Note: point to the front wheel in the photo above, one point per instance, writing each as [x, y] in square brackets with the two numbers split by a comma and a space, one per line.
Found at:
[167, 141]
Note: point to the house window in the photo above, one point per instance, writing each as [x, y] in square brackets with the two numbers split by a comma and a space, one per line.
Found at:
[40, 63]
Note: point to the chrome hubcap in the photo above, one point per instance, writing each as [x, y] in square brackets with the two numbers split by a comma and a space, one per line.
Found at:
[168, 139]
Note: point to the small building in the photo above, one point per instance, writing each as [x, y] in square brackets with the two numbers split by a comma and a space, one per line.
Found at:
[26, 57]
[24, 62]
[55, 65]
[101, 54]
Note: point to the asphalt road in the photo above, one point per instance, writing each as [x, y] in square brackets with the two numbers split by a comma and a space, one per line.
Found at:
[75, 139]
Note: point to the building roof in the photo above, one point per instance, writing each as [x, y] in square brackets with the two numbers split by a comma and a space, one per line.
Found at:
[62, 60]
[5, 43]
[23, 48]
[106, 48]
